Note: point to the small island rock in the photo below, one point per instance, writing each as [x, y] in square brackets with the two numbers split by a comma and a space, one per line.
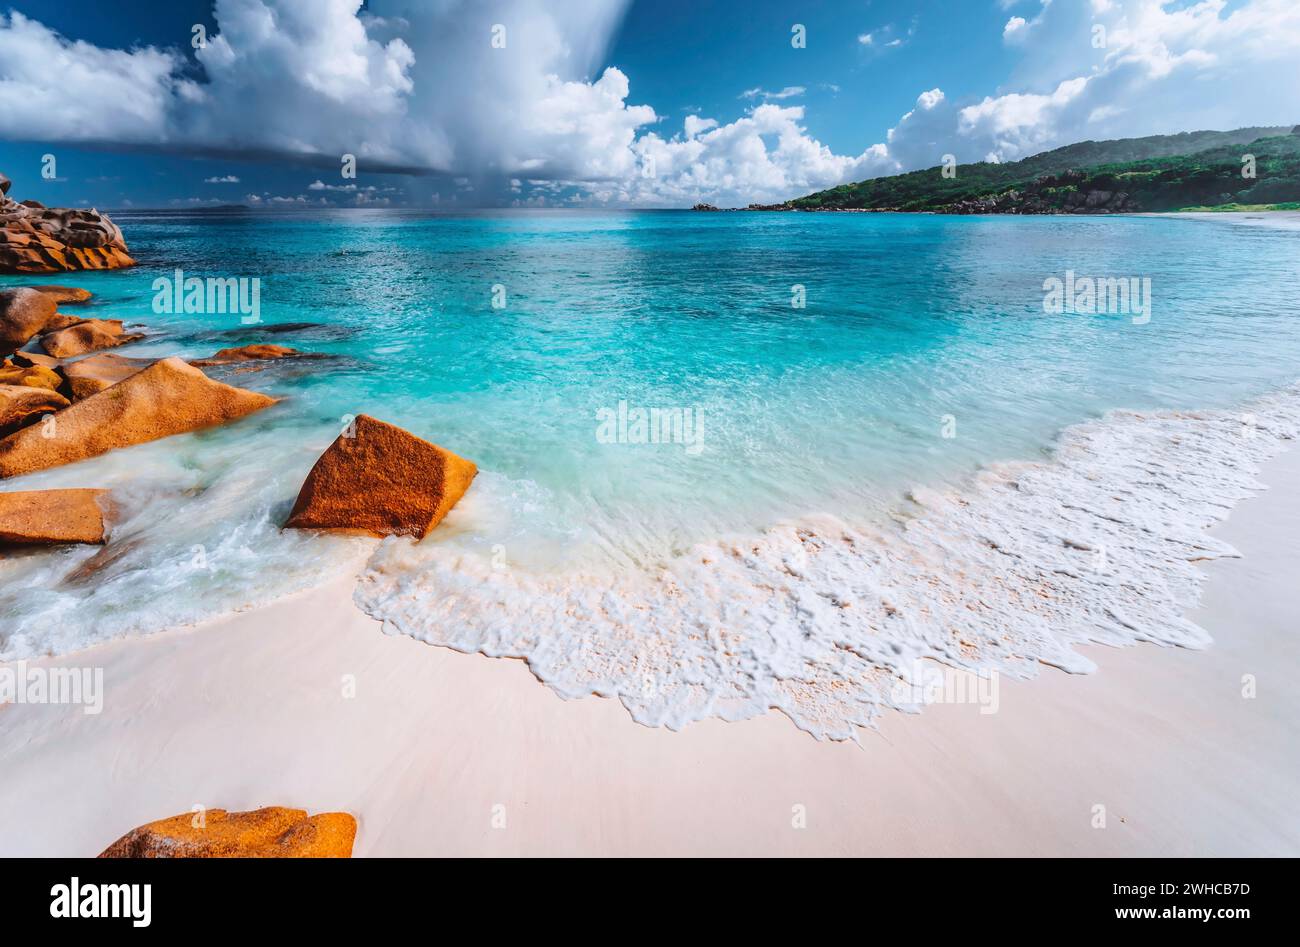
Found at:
[39, 239]
[249, 353]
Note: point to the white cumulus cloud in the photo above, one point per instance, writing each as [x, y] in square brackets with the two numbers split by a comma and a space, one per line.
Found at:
[419, 86]
[57, 90]
[1015, 29]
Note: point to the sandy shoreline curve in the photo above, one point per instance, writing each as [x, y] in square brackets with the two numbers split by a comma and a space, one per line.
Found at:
[442, 753]
[833, 624]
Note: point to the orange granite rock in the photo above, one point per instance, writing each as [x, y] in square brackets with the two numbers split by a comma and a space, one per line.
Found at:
[90, 376]
[28, 359]
[47, 517]
[272, 832]
[89, 335]
[33, 376]
[248, 353]
[64, 294]
[63, 321]
[24, 313]
[20, 405]
[169, 397]
[381, 480]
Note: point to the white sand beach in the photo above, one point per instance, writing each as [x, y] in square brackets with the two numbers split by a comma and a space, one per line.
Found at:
[440, 753]
[1273, 219]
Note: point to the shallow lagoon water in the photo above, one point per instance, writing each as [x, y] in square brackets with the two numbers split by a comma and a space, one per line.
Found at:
[914, 327]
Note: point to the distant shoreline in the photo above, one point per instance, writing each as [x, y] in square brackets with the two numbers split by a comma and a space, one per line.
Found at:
[1289, 208]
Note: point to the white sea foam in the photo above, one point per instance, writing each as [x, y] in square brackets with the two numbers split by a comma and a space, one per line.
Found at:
[824, 620]
[195, 533]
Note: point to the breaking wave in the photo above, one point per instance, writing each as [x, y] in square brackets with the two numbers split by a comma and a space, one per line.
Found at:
[824, 619]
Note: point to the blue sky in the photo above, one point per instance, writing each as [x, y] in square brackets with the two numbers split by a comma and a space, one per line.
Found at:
[704, 55]
[588, 102]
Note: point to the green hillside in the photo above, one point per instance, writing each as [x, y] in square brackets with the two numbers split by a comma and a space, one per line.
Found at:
[1167, 172]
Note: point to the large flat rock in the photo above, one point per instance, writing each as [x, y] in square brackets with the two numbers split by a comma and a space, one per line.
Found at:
[169, 397]
[45, 517]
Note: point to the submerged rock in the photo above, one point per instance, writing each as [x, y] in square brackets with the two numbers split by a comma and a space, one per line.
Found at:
[91, 570]
[90, 376]
[24, 314]
[169, 397]
[379, 479]
[46, 517]
[251, 353]
[20, 405]
[272, 832]
[280, 328]
[269, 331]
[38, 239]
[89, 335]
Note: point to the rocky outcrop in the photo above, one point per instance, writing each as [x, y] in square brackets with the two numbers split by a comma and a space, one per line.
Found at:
[24, 313]
[272, 832]
[21, 405]
[169, 397]
[39, 239]
[1065, 193]
[47, 517]
[380, 480]
[86, 335]
[703, 207]
[90, 376]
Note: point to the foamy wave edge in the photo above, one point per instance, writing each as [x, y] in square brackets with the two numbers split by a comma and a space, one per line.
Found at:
[823, 621]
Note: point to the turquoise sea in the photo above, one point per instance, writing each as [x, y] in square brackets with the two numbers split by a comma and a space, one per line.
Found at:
[922, 354]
